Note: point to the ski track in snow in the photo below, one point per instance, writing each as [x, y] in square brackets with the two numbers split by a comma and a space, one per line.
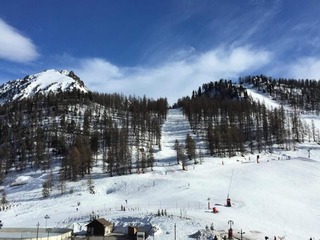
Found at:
[175, 128]
[277, 197]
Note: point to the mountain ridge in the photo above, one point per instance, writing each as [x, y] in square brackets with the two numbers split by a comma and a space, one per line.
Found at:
[62, 149]
[40, 83]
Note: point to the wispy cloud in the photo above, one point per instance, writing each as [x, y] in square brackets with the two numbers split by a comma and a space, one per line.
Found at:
[307, 67]
[14, 46]
[173, 79]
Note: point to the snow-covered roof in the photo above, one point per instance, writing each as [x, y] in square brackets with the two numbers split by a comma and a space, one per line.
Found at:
[103, 221]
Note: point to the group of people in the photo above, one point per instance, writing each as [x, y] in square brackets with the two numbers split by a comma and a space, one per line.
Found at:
[274, 238]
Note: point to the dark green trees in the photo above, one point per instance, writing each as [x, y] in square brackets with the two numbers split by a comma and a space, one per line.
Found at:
[190, 146]
[77, 130]
[231, 122]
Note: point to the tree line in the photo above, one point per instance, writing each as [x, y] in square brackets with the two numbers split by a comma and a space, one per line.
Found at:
[76, 129]
[232, 123]
[73, 129]
[303, 94]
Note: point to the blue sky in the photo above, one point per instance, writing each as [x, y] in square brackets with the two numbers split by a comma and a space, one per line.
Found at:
[160, 48]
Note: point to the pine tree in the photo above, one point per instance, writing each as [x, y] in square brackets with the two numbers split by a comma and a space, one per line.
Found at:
[176, 148]
[46, 189]
[74, 163]
[90, 184]
[62, 183]
[150, 159]
[190, 146]
[4, 200]
[181, 157]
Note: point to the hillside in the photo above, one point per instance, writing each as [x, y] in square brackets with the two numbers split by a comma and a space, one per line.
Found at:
[73, 154]
[51, 117]
[273, 198]
[49, 81]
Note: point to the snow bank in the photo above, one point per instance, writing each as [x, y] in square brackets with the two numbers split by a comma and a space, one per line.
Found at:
[21, 180]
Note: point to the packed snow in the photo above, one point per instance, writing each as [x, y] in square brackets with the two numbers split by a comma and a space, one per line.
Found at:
[43, 82]
[50, 80]
[277, 197]
[20, 180]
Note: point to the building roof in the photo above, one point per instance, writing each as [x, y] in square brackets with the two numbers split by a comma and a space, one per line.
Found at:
[103, 221]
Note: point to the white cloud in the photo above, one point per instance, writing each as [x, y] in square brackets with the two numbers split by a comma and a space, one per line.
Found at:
[174, 79]
[307, 67]
[14, 46]
[96, 70]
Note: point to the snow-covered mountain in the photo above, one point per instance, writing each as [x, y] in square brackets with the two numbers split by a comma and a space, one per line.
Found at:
[277, 197]
[43, 83]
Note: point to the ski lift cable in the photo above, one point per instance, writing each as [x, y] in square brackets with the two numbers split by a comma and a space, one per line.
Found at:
[230, 182]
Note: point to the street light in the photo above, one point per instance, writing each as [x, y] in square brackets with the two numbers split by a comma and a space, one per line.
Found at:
[230, 233]
[241, 233]
[46, 217]
[230, 222]
[48, 230]
[38, 225]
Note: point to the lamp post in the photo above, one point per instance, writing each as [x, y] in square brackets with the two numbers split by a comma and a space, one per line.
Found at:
[230, 222]
[241, 233]
[48, 230]
[46, 217]
[230, 233]
[38, 230]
